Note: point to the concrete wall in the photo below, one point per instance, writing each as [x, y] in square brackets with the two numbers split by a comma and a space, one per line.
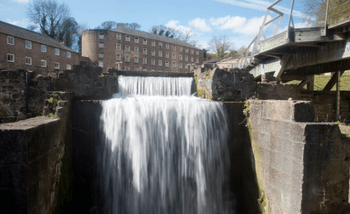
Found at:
[35, 164]
[301, 166]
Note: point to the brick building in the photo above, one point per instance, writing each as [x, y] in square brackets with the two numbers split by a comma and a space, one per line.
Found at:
[128, 49]
[24, 49]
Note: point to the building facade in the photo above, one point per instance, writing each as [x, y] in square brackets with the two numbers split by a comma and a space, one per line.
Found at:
[24, 49]
[128, 49]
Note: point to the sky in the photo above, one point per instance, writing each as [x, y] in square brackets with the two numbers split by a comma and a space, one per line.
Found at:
[239, 20]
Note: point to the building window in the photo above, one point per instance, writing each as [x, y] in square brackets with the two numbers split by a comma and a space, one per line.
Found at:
[100, 64]
[186, 50]
[160, 44]
[166, 64]
[192, 59]
[180, 57]
[69, 54]
[100, 55]
[118, 47]
[153, 43]
[127, 58]
[57, 52]
[197, 60]
[174, 56]
[145, 51]
[174, 47]
[10, 57]
[119, 36]
[166, 55]
[180, 65]
[180, 49]
[160, 53]
[153, 70]
[144, 60]
[127, 38]
[167, 46]
[118, 57]
[100, 45]
[127, 48]
[186, 66]
[186, 58]
[153, 52]
[57, 65]
[136, 49]
[160, 63]
[28, 45]
[10, 40]
[136, 59]
[28, 60]
[101, 36]
[144, 69]
[174, 64]
[192, 51]
[69, 67]
[136, 39]
[197, 52]
[153, 61]
[145, 41]
[136, 69]
[43, 63]
[43, 48]
[160, 71]
[127, 68]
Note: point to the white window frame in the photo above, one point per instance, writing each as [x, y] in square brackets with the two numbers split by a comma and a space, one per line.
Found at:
[174, 55]
[145, 51]
[127, 38]
[186, 50]
[160, 54]
[174, 64]
[180, 57]
[100, 55]
[192, 51]
[10, 40]
[101, 36]
[144, 61]
[136, 49]
[57, 67]
[127, 48]
[118, 57]
[56, 49]
[127, 58]
[145, 41]
[192, 59]
[153, 62]
[186, 58]
[136, 69]
[180, 65]
[136, 39]
[166, 46]
[153, 70]
[100, 64]
[160, 63]
[153, 53]
[153, 43]
[30, 44]
[43, 48]
[69, 54]
[118, 46]
[167, 55]
[29, 59]
[43, 63]
[174, 47]
[101, 45]
[160, 44]
[136, 59]
[127, 68]
[186, 66]
[118, 36]
[11, 56]
[197, 52]
[69, 67]
[166, 63]
[180, 49]
[197, 60]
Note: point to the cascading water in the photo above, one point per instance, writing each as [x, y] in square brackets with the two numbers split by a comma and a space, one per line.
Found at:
[164, 150]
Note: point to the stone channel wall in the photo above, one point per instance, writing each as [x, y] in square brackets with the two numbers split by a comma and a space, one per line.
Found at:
[35, 163]
[301, 166]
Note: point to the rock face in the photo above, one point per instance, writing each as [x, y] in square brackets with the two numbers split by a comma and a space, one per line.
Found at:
[219, 84]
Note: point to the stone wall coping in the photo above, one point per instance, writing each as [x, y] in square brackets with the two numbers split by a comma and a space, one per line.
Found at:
[24, 125]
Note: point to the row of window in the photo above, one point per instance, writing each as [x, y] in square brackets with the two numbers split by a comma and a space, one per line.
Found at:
[28, 45]
[29, 61]
[127, 58]
[160, 63]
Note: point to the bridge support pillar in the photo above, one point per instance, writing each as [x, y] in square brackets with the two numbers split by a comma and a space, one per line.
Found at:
[310, 84]
[337, 74]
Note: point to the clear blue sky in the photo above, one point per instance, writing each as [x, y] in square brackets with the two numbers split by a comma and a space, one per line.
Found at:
[238, 19]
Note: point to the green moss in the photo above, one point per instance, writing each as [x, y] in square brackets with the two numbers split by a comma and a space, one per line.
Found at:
[264, 206]
[53, 116]
[207, 74]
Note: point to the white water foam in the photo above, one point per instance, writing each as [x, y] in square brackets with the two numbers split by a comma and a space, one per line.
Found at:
[163, 154]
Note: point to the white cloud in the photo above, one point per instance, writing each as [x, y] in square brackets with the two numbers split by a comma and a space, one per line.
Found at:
[228, 22]
[260, 5]
[175, 25]
[21, 23]
[200, 24]
[22, 1]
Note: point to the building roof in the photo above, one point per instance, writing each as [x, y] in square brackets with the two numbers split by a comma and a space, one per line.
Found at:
[29, 35]
[152, 36]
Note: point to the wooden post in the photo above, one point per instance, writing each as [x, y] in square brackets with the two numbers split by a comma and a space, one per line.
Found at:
[337, 96]
[310, 85]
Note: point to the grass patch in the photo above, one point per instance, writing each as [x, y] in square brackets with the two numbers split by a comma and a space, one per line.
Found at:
[322, 80]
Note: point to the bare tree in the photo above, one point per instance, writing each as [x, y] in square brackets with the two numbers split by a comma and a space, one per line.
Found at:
[220, 45]
[109, 25]
[162, 30]
[49, 15]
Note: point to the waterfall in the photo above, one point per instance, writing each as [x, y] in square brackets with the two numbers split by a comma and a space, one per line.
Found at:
[164, 150]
